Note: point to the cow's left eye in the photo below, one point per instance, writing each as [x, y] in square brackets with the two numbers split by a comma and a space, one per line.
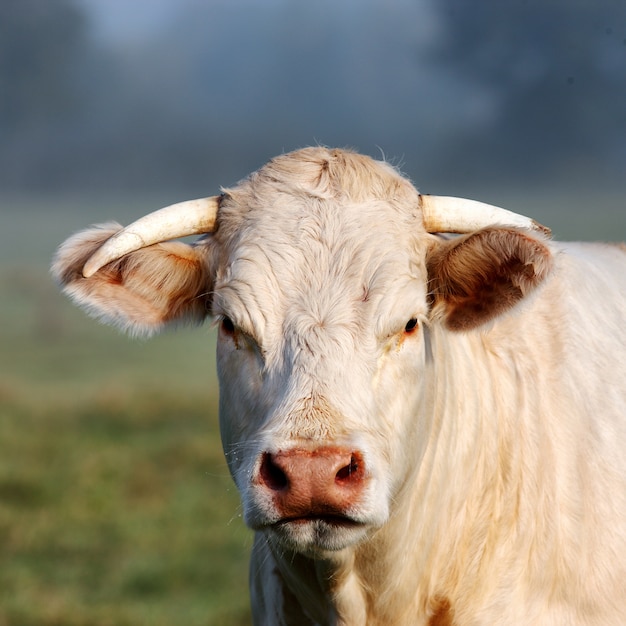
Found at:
[411, 325]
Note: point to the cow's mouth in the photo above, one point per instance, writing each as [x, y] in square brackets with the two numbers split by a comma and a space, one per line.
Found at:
[315, 533]
[340, 521]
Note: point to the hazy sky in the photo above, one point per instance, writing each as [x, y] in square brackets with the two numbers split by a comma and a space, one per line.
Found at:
[122, 20]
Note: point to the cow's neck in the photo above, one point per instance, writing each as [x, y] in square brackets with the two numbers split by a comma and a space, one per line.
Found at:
[378, 583]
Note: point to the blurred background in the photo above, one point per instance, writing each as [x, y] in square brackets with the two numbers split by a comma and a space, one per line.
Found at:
[115, 504]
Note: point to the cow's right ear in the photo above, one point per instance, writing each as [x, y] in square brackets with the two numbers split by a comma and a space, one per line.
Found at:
[143, 291]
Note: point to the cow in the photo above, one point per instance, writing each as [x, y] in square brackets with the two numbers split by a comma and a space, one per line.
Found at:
[422, 398]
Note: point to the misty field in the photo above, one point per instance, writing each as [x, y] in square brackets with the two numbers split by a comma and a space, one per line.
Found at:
[116, 507]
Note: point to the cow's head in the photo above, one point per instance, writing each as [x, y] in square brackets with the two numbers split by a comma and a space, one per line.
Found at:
[324, 274]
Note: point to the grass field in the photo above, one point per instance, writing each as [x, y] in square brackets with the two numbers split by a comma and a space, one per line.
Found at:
[116, 507]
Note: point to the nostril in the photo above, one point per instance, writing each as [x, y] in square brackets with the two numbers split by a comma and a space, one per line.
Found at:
[271, 475]
[352, 471]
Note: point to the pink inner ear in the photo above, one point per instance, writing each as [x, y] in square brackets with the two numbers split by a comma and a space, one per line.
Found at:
[141, 292]
[478, 277]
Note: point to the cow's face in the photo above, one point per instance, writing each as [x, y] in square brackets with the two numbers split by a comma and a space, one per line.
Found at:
[324, 284]
[321, 351]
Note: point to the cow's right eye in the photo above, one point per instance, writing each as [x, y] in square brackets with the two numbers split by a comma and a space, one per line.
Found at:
[227, 325]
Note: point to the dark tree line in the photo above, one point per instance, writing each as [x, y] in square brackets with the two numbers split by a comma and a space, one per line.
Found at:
[40, 47]
[557, 73]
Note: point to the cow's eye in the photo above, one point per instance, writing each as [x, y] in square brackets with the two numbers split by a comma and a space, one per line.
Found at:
[411, 325]
[227, 325]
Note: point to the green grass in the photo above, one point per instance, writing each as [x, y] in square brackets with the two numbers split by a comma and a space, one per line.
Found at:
[116, 507]
[118, 512]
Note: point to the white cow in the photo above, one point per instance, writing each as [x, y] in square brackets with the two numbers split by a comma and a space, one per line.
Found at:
[423, 429]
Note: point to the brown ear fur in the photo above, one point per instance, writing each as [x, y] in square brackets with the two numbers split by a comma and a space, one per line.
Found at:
[473, 279]
[142, 291]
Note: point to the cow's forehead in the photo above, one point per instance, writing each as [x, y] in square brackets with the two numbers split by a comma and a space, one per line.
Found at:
[319, 231]
[317, 184]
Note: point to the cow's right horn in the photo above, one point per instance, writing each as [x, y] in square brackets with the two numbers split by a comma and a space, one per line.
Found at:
[444, 214]
[192, 217]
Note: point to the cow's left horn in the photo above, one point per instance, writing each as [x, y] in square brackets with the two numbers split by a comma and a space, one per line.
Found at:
[444, 214]
[192, 217]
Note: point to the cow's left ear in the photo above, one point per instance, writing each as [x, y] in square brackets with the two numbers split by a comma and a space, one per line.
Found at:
[474, 278]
